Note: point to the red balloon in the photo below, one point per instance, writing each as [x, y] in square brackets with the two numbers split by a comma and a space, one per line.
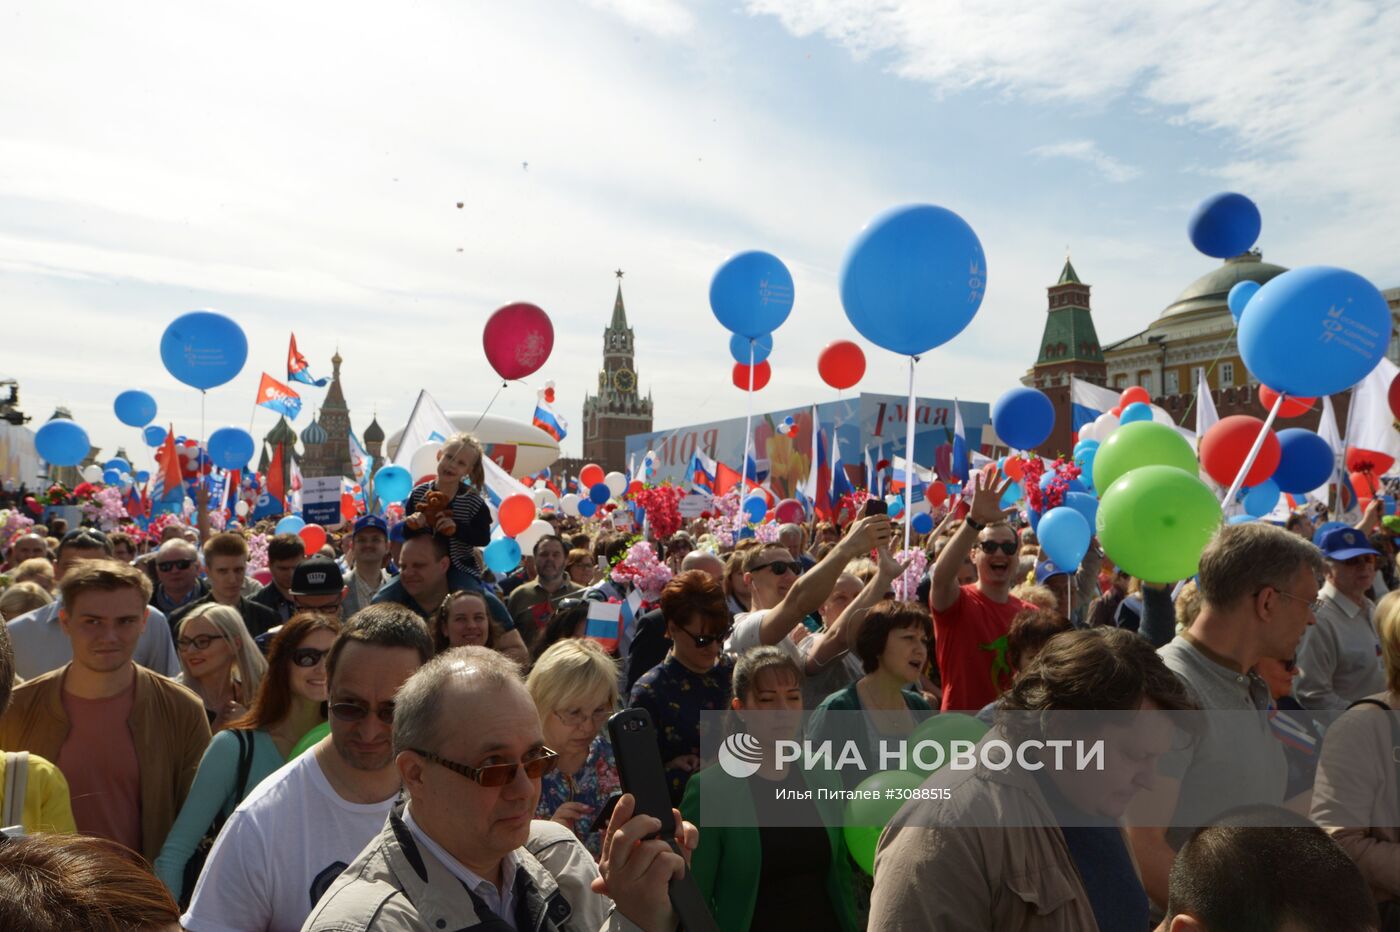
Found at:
[789, 511]
[1368, 461]
[635, 486]
[1395, 397]
[313, 536]
[1365, 485]
[516, 513]
[1226, 445]
[1136, 393]
[1117, 412]
[1015, 467]
[517, 339]
[937, 492]
[590, 475]
[761, 374]
[1292, 406]
[842, 364]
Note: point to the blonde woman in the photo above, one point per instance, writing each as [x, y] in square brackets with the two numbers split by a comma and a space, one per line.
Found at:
[38, 571]
[219, 661]
[574, 685]
[22, 597]
[1354, 796]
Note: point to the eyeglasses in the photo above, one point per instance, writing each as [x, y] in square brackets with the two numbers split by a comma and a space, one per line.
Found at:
[308, 657]
[576, 717]
[1357, 560]
[166, 566]
[354, 712]
[779, 567]
[493, 775]
[1008, 547]
[1314, 605]
[198, 642]
[705, 640]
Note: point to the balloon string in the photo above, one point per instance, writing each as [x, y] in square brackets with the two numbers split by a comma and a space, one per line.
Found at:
[909, 456]
[482, 416]
[748, 432]
[1253, 452]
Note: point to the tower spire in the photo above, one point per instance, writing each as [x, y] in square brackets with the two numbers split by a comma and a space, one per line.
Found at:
[619, 314]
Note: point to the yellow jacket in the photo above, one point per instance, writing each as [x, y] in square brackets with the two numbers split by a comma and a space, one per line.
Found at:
[46, 804]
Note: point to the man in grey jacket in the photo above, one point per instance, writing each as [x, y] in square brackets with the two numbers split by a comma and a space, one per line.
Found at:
[464, 850]
[1340, 658]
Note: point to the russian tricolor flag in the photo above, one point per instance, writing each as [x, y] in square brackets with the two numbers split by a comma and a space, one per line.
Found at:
[549, 420]
[703, 473]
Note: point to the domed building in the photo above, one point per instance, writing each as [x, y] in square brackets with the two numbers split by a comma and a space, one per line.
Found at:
[374, 437]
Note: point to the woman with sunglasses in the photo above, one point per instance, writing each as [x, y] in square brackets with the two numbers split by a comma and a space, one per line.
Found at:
[219, 662]
[574, 685]
[693, 678]
[290, 702]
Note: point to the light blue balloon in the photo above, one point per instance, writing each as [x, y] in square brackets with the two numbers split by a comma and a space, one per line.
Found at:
[230, 447]
[913, 279]
[755, 508]
[1084, 445]
[586, 507]
[154, 435]
[1239, 296]
[1012, 495]
[895, 504]
[1084, 503]
[1261, 499]
[921, 523]
[135, 408]
[61, 442]
[1137, 411]
[600, 493]
[1023, 418]
[143, 476]
[203, 349]
[118, 464]
[1240, 519]
[1224, 225]
[392, 483]
[502, 555]
[1064, 536]
[290, 524]
[1314, 331]
[751, 294]
[111, 477]
[739, 348]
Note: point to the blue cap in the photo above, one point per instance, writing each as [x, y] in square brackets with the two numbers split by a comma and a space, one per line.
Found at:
[1343, 543]
[1324, 529]
[1045, 569]
[398, 533]
[371, 523]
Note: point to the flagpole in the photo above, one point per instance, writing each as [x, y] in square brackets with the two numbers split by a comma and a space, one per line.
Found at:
[909, 456]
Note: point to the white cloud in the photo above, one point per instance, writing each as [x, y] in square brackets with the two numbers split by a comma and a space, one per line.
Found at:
[1087, 151]
[661, 17]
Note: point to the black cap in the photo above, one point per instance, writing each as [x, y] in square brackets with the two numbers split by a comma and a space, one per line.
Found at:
[317, 576]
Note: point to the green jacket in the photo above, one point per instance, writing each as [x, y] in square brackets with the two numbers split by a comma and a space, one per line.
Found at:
[729, 859]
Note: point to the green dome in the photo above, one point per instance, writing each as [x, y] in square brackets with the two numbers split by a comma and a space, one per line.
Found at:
[1210, 290]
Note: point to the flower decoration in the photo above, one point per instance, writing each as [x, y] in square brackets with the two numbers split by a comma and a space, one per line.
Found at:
[662, 507]
[641, 569]
[915, 562]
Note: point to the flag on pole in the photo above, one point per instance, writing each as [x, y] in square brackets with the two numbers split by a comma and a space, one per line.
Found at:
[549, 420]
[1206, 417]
[703, 473]
[167, 485]
[840, 482]
[961, 448]
[297, 370]
[1087, 401]
[1371, 423]
[426, 424]
[359, 460]
[277, 480]
[725, 478]
[280, 398]
[818, 485]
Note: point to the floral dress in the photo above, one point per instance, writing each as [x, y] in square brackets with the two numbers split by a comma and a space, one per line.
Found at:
[675, 696]
[595, 781]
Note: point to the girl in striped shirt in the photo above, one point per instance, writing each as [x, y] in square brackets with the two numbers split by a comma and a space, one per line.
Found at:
[460, 474]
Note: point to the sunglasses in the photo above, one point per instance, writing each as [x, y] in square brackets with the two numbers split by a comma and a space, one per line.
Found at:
[705, 640]
[166, 566]
[308, 656]
[198, 642]
[779, 567]
[1008, 547]
[354, 712]
[493, 775]
[1359, 559]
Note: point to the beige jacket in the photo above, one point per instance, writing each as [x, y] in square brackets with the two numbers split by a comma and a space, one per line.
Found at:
[1354, 796]
[978, 879]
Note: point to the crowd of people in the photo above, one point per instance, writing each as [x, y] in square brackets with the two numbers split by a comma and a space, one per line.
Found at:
[387, 735]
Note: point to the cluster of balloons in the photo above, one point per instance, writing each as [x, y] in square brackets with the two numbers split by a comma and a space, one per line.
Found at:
[312, 535]
[788, 426]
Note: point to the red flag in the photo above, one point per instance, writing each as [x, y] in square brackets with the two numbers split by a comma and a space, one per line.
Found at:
[167, 483]
[725, 478]
[277, 476]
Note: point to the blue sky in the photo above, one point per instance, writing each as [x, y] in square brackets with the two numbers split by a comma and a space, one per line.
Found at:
[297, 167]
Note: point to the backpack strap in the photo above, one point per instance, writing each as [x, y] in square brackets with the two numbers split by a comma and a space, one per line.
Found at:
[245, 760]
[16, 785]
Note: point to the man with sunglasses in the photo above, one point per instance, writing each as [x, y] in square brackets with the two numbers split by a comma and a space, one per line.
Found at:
[290, 838]
[318, 586]
[1341, 655]
[177, 574]
[464, 850]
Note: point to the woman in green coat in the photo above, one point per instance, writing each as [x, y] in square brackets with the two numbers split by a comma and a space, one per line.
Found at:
[761, 862]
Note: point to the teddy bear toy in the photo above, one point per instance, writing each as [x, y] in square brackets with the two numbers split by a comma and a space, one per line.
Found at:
[434, 512]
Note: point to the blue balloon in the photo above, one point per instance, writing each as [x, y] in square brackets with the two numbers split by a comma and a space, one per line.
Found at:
[921, 523]
[502, 555]
[203, 349]
[1012, 495]
[1085, 445]
[143, 476]
[751, 294]
[1224, 225]
[600, 493]
[1137, 411]
[895, 504]
[135, 408]
[60, 442]
[1064, 536]
[155, 436]
[1239, 296]
[111, 476]
[1314, 331]
[587, 508]
[913, 279]
[1023, 418]
[755, 508]
[230, 447]
[117, 463]
[392, 483]
[290, 525]
[1305, 461]
[1261, 499]
[739, 348]
[1084, 503]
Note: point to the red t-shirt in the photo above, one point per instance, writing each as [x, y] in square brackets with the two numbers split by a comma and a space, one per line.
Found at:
[104, 774]
[970, 643]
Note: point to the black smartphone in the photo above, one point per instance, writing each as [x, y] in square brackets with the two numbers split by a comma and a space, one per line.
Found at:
[875, 506]
[600, 821]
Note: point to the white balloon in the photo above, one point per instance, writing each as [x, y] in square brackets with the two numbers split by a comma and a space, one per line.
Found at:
[424, 462]
[616, 483]
[1087, 432]
[92, 474]
[569, 505]
[546, 497]
[1106, 423]
[1162, 417]
[532, 534]
[539, 484]
[241, 509]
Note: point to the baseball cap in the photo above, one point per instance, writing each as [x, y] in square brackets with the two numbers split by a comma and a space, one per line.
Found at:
[317, 576]
[371, 523]
[1343, 543]
[1324, 529]
[1045, 569]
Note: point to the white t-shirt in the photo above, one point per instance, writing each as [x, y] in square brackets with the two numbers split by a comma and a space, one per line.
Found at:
[745, 636]
[280, 851]
[838, 672]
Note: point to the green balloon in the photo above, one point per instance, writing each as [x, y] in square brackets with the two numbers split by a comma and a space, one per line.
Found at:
[310, 738]
[944, 728]
[1141, 443]
[1155, 521]
[867, 818]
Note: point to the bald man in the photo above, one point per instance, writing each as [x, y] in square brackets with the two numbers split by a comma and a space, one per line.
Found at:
[650, 643]
[27, 547]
